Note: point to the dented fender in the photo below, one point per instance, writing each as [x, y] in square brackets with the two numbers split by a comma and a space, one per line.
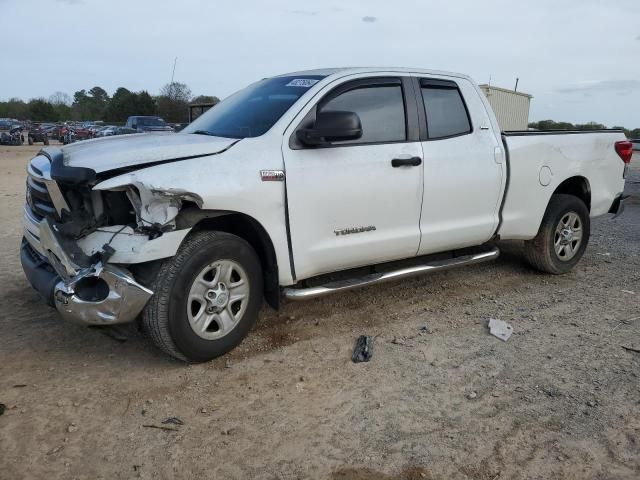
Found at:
[132, 247]
[153, 205]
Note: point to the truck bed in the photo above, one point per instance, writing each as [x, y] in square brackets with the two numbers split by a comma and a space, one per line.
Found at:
[541, 163]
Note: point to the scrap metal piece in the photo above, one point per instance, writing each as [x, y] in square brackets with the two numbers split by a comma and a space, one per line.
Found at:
[363, 350]
[158, 206]
[500, 329]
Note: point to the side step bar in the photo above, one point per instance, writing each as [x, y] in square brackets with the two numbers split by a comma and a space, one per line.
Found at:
[373, 278]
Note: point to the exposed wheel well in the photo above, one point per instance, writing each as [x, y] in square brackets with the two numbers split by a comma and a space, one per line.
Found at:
[249, 229]
[578, 187]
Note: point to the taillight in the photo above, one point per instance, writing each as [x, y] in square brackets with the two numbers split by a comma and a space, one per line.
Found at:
[624, 149]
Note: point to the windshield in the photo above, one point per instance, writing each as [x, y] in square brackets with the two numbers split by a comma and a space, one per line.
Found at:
[151, 121]
[255, 109]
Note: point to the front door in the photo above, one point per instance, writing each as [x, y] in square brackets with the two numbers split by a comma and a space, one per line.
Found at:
[349, 203]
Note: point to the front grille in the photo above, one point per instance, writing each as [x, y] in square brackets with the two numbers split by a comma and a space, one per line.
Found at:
[39, 200]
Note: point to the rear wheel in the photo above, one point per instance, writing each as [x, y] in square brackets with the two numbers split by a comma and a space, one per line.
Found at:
[563, 236]
[206, 298]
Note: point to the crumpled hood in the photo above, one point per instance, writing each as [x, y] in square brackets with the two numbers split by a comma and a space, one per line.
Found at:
[120, 151]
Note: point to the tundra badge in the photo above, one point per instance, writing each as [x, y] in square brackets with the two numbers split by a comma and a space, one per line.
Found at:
[350, 230]
[272, 175]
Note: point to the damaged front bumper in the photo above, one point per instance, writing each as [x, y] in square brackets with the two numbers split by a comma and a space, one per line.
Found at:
[101, 294]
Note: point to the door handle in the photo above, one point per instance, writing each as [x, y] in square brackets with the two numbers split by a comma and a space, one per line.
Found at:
[406, 162]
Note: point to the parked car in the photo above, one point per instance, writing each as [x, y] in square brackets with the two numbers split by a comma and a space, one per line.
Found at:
[53, 132]
[6, 124]
[124, 131]
[178, 127]
[189, 232]
[148, 124]
[106, 131]
[636, 144]
[73, 133]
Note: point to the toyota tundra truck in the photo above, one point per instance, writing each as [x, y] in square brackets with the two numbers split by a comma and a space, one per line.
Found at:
[298, 186]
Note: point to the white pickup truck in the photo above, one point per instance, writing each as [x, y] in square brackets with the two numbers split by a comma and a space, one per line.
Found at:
[292, 185]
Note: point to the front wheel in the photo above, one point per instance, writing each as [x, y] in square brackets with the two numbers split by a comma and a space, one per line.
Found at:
[206, 298]
[563, 236]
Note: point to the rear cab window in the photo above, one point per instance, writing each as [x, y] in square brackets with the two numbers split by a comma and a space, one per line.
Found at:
[445, 109]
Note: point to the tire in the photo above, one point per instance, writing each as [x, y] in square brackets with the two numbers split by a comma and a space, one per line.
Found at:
[30, 140]
[542, 251]
[171, 312]
[46, 140]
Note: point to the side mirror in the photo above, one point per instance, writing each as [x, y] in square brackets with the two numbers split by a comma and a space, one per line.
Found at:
[331, 126]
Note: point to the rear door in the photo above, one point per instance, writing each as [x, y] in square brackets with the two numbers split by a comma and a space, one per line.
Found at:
[463, 166]
[348, 204]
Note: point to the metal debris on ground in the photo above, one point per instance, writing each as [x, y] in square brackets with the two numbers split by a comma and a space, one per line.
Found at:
[363, 350]
[631, 349]
[160, 427]
[500, 329]
[552, 392]
[173, 420]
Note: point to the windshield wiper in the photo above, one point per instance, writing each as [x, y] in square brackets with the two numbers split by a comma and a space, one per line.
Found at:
[203, 132]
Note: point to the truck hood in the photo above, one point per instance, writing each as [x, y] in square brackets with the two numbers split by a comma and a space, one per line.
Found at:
[121, 151]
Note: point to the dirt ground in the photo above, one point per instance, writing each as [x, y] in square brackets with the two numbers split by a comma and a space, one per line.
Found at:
[560, 399]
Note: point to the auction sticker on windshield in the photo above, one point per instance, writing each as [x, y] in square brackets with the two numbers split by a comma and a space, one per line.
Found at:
[302, 82]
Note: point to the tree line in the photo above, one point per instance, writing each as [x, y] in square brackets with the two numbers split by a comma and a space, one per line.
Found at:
[171, 104]
[96, 104]
[552, 125]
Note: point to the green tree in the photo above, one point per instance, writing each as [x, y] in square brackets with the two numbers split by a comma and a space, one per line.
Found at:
[551, 125]
[205, 99]
[125, 103]
[145, 104]
[14, 108]
[80, 105]
[590, 126]
[90, 105]
[119, 107]
[173, 102]
[42, 111]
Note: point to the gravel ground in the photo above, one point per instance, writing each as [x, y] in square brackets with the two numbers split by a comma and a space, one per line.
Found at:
[560, 399]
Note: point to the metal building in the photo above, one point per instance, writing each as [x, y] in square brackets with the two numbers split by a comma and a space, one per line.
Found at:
[511, 107]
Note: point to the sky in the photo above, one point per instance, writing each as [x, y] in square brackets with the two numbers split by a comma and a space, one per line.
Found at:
[580, 59]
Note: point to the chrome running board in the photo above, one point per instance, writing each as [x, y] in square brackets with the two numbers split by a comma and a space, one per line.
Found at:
[373, 278]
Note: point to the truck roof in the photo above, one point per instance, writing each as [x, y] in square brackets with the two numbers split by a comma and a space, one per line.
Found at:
[344, 71]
